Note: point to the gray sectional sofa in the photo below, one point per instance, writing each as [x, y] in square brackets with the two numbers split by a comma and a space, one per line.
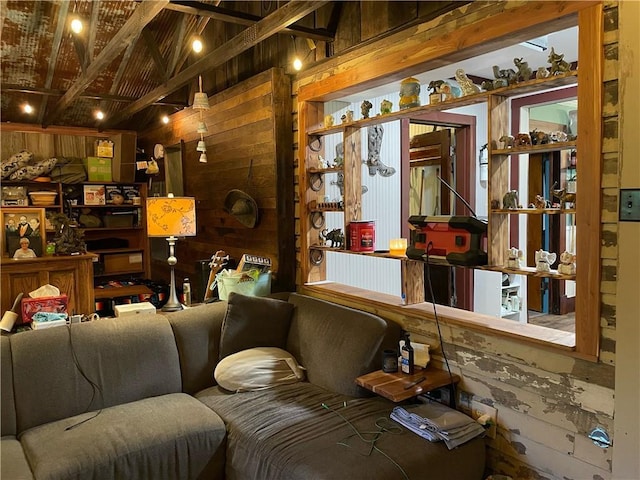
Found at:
[135, 398]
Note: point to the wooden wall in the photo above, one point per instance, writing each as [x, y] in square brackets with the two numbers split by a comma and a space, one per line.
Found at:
[248, 148]
[547, 401]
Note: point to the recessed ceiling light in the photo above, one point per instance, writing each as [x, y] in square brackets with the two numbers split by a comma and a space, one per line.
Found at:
[99, 115]
[76, 25]
[297, 64]
[165, 119]
[26, 108]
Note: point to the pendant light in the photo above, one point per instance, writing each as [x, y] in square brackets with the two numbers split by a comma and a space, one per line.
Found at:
[201, 103]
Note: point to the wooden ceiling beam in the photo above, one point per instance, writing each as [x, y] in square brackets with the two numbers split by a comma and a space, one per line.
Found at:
[152, 47]
[268, 26]
[145, 12]
[242, 18]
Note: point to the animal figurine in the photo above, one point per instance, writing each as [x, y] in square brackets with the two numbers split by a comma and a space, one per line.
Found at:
[558, 136]
[564, 196]
[541, 73]
[510, 200]
[524, 71]
[385, 107]
[335, 236]
[544, 260]
[467, 86]
[540, 202]
[539, 138]
[567, 265]
[507, 74]
[522, 140]
[434, 86]
[365, 108]
[507, 141]
[559, 66]
[514, 258]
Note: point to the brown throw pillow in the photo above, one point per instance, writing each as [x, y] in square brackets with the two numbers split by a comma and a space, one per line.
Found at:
[254, 322]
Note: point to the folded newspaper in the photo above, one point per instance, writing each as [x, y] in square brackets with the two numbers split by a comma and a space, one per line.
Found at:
[434, 422]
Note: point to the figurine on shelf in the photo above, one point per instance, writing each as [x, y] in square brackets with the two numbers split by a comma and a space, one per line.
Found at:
[558, 136]
[467, 86]
[524, 71]
[544, 260]
[504, 77]
[538, 137]
[409, 93]
[339, 154]
[567, 264]
[522, 140]
[541, 73]
[507, 141]
[328, 121]
[540, 202]
[365, 108]
[564, 197]
[510, 200]
[335, 236]
[559, 65]
[385, 107]
[514, 258]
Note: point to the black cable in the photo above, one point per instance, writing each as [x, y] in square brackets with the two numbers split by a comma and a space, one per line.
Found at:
[435, 313]
[94, 386]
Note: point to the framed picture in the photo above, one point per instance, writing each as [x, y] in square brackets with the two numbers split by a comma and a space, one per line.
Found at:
[20, 224]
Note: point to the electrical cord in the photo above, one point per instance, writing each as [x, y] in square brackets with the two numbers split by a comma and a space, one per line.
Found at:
[94, 386]
[382, 429]
[435, 312]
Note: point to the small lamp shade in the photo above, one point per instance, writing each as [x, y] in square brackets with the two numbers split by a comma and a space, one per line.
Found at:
[200, 101]
[171, 216]
[202, 147]
[203, 157]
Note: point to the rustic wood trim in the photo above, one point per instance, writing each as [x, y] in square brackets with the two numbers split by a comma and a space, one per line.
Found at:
[59, 130]
[145, 12]
[152, 47]
[281, 18]
[589, 140]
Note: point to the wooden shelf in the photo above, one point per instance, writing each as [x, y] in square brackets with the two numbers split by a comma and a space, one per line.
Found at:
[128, 206]
[117, 250]
[528, 271]
[547, 147]
[109, 229]
[314, 170]
[534, 211]
[118, 274]
[115, 292]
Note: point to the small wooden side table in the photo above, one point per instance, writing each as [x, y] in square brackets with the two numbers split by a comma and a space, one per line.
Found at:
[399, 386]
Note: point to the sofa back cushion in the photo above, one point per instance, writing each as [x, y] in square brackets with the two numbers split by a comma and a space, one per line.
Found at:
[8, 405]
[197, 334]
[335, 344]
[254, 322]
[127, 359]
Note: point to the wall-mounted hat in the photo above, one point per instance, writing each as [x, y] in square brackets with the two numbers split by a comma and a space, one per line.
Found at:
[241, 206]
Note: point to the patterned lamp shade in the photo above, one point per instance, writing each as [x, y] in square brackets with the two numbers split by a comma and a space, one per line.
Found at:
[171, 216]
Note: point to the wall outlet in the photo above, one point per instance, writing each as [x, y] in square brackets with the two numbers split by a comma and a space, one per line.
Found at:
[479, 409]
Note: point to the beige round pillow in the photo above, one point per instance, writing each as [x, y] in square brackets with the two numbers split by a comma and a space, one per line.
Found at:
[257, 369]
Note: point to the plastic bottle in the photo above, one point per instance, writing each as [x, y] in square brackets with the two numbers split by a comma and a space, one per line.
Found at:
[407, 356]
[186, 291]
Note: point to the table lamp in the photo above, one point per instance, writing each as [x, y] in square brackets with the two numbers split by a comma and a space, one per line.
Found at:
[171, 217]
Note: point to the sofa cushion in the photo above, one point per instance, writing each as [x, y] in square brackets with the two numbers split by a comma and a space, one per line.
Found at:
[13, 463]
[7, 406]
[257, 369]
[285, 433]
[92, 365]
[170, 436]
[254, 322]
[197, 335]
[335, 344]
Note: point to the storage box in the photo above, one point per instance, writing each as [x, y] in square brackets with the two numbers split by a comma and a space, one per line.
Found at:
[94, 195]
[31, 306]
[123, 262]
[258, 288]
[134, 309]
[98, 169]
[104, 148]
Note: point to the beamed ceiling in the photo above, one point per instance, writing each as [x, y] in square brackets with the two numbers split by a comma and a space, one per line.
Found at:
[133, 59]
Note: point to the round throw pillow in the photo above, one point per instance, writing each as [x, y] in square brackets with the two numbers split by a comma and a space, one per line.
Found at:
[257, 369]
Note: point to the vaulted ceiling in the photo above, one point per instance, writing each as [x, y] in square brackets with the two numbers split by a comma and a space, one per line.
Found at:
[133, 59]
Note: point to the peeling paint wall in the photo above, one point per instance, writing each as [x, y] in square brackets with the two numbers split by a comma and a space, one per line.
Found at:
[547, 401]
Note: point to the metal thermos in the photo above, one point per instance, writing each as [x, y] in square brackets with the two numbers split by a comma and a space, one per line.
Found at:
[186, 291]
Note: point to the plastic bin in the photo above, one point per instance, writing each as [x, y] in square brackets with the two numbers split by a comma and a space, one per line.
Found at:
[252, 288]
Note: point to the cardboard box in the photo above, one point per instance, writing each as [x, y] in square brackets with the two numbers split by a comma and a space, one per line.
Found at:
[130, 192]
[98, 169]
[123, 262]
[31, 306]
[134, 309]
[94, 195]
[104, 148]
[114, 195]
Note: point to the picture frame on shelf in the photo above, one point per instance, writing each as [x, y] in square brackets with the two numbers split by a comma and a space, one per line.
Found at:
[21, 223]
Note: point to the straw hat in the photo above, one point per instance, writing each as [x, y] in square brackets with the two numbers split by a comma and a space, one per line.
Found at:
[241, 206]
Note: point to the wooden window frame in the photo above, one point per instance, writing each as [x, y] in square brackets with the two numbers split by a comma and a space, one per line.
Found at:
[481, 36]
